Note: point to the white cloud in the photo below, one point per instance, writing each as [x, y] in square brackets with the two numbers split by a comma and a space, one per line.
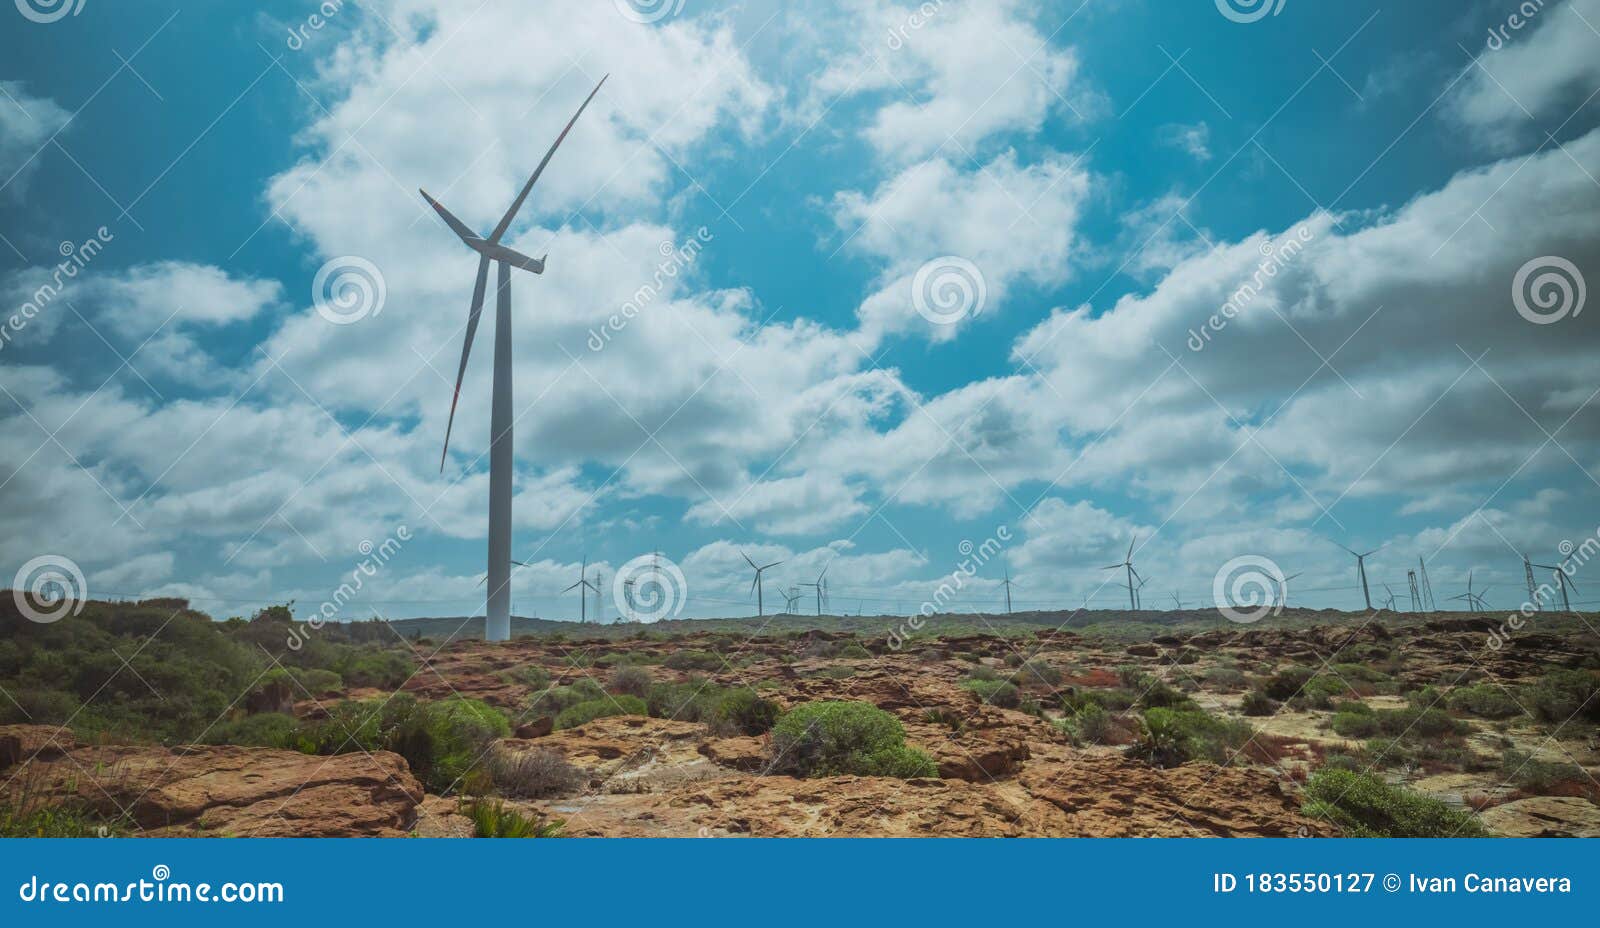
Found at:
[1545, 67]
[27, 123]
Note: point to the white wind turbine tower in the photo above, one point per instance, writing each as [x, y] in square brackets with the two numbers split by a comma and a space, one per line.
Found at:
[1474, 600]
[1283, 590]
[497, 613]
[1127, 564]
[1361, 571]
[755, 585]
[583, 593]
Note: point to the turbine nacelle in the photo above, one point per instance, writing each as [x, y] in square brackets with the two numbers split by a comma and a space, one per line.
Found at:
[492, 251]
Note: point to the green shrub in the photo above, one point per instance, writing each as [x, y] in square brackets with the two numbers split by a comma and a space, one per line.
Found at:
[1257, 703]
[1175, 736]
[983, 672]
[265, 729]
[744, 712]
[456, 733]
[585, 712]
[29, 820]
[1287, 683]
[820, 739]
[1531, 775]
[1037, 671]
[1228, 678]
[994, 692]
[1090, 724]
[491, 819]
[558, 698]
[1349, 724]
[693, 660]
[684, 702]
[382, 668]
[630, 681]
[1484, 700]
[1561, 694]
[853, 651]
[1364, 806]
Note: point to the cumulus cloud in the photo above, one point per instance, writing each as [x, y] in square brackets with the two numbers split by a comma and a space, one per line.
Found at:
[27, 123]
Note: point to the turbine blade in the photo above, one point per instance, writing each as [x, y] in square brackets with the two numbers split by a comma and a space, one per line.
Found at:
[748, 561]
[573, 587]
[505, 221]
[461, 229]
[1113, 567]
[473, 316]
[1130, 548]
[772, 565]
[514, 258]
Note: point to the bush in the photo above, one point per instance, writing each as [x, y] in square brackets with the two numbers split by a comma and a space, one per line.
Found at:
[1176, 736]
[1560, 695]
[1363, 806]
[693, 660]
[1484, 700]
[1539, 777]
[265, 729]
[491, 819]
[585, 712]
[1350, 724]
[1091, 724]
[821, 739]
[854, 652]
[994, 692]
[683, 702]
[1287, 683]
[1037, 671]
[534, 774]
[1228, 678]
[630, 681]
[983, 672]
[455, 734]
[558, 698]
[742, 711]
[1257, 703]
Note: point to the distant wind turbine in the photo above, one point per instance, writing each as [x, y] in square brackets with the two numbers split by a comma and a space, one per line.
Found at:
[1283, 590]
[1008, 589]
[1361, 571]
[1474, 600]
[1127, 564]
[497, 614]
[1564, 581]
[583, 593]
[755, 585]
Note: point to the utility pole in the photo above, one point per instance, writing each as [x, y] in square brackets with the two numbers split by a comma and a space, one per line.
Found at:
[1416, 596]
[1427, 588]
[1533, 593]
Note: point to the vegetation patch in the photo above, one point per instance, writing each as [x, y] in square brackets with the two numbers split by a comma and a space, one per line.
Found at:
[604, 707]
[1364, 806]
[821, 739]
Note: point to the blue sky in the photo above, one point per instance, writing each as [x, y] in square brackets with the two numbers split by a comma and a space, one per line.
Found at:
[181, 419]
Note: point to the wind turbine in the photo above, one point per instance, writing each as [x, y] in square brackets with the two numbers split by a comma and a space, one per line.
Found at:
[485, 578]
[790, 597]
[1127, 563]
[1389, 604]
[1177, 602]
[820, 585]
[497, 613]
[1008, 589]
[1361, 571]
[583, 594]
[755, 585]
[1283, 590]
[1474, 600]
[1564, 580]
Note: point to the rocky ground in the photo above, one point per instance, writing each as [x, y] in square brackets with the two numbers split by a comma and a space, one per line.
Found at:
[1001, 771]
